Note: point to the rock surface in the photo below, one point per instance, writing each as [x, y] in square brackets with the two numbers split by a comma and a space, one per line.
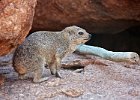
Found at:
[15, 22]
[96, 16]
[98, 80]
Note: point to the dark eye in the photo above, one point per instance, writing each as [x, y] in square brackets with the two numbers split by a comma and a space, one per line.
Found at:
[80, 33]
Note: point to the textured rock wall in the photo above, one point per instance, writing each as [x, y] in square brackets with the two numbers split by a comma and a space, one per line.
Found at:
[98, 16]
[15, 22]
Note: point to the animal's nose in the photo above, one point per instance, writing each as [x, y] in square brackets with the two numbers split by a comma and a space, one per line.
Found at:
[90, 36]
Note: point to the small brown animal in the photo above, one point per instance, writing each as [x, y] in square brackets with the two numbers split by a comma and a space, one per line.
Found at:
[47, 48]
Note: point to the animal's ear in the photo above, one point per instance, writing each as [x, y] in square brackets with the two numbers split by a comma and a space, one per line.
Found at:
[69, 30]
[66, 35]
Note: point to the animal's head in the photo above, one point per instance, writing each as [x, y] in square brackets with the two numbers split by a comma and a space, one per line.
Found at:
[77, 35]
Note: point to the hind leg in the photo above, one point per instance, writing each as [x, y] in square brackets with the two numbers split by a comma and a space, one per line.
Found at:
[22, 76]
[39, 65]
[38, 76]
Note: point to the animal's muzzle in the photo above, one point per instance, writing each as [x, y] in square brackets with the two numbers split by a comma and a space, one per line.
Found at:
[89, 37]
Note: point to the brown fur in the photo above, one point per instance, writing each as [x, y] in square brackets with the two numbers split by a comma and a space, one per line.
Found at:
[20, 69]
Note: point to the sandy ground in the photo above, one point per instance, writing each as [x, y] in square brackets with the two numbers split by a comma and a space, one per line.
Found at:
[106, 80]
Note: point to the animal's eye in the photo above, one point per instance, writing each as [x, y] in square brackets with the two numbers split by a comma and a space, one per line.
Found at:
[80, 33]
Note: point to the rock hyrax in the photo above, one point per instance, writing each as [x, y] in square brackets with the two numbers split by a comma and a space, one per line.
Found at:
[47, 48]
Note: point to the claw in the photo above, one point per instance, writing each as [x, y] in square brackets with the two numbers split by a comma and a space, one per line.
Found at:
[58, 75]
[52, 73]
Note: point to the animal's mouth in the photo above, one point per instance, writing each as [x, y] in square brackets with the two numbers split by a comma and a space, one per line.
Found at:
[86, 39]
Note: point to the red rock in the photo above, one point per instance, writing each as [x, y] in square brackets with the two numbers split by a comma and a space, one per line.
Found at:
[98, 16]
[2, 80]
[15, 22]
[73, 92]
[76, 61]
